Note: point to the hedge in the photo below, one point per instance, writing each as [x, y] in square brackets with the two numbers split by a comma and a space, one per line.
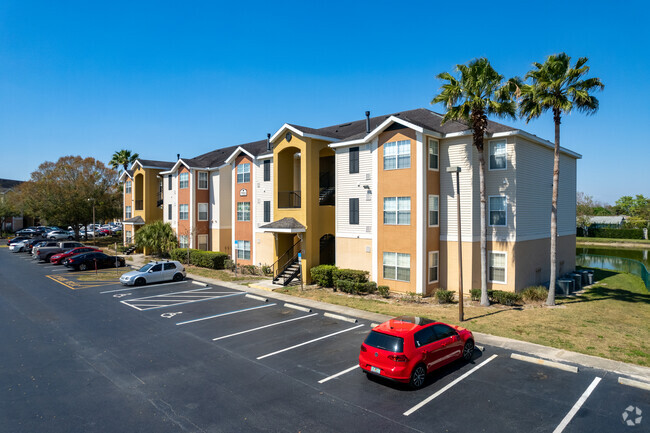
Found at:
[323, 275]
[346, 280]
[612, 233]
[444, 296]
[350, 275]
[203, 259]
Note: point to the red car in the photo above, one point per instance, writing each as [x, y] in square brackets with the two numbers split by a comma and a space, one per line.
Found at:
[406, 348]
[57, 259]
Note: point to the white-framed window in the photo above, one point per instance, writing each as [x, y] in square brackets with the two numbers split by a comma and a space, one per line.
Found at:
[243, 211]
[127, 212]
[183, 211]
[182, 241]
[203, 211]
[397, 266]
[244, 173]
[434, 213]
[498, 155]
[127, 235]
[203, 180]
[434, 152]
[202, 240]
[184, 180]
[397, 210]
[397, 154]
[433, 266]
[243, 249]
[127, 187]
[497, 206]
[497, 267]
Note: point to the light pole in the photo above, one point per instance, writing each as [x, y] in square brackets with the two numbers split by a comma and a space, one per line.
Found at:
[93, 200]
[461, 313]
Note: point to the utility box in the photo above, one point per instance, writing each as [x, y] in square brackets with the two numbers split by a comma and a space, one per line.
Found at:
[577, 281]
[565, 286]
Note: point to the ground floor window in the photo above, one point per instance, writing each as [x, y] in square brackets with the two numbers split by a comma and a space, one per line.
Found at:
[128, 237]
[497, 267]
[397, 266]
[203, 242]
[182, 241]
[243, 249]
[433, 266]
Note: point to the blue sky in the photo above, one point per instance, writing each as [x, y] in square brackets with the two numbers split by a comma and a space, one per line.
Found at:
[161, 78]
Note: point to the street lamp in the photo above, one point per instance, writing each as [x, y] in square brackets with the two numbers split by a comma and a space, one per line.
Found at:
[93, 200]
[461, 315]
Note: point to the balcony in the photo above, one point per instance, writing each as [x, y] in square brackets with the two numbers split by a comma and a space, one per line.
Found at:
[326, 196]
[138, 205]
[288, 199]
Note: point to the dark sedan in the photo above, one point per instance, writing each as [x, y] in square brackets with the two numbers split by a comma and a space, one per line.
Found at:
[93, 260]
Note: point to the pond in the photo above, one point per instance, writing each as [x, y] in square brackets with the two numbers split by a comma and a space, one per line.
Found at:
[633, 260]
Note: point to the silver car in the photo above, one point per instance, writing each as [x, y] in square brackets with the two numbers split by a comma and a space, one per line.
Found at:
[154, 272]
[18, 247]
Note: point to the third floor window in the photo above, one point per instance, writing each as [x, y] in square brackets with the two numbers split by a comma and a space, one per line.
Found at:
[244, 173]
[184, 180]
[397, 154]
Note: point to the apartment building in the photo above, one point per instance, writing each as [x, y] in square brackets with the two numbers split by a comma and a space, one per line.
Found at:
[142, 195]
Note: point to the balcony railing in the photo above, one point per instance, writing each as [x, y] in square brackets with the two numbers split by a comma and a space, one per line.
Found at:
[327, 196]
[288, 199]
[138, 205]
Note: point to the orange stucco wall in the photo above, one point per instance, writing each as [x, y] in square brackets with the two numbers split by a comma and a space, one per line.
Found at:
[244, 229]
[202, 196]
[183, 198]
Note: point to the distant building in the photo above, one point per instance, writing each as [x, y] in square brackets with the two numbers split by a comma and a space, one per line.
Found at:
[606, 222]
[10, 224]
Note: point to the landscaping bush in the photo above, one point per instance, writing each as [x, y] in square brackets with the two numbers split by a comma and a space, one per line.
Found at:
[505, 298]
[475, 294]
[266, 270]
[229, 264]
[383, 291]
[369, 287]
[350, 275]
[534, 294]
[323, 275]
[346, 286]
[204, 259]
[616, 233]
[444, 296]
[180, 254]
[249, 269]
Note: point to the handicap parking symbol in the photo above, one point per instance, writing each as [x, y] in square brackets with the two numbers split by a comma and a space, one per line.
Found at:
[170, 315]
[121, 295]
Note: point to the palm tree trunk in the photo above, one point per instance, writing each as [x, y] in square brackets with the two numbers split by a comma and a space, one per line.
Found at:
[485, 301]
[556, 180]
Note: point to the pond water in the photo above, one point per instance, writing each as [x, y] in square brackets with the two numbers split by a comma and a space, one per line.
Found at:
[633, 260]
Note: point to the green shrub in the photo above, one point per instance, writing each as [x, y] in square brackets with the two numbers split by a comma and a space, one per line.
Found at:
[369, 287]
[383, 291]
[179, 254]
[534, 293]
[249, 269]
[444, 296]
[346, 286]
[323, 275]
[505, 298]
[229, 264]
[475, 294]
[350, 275]
[208, 259]
[616, 233]
[266, 270]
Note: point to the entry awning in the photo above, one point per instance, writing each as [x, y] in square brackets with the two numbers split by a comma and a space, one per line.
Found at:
[135, 220]
[285, 225]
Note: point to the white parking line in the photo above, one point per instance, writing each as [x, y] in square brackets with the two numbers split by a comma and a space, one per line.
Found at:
[265, 326]
[340, 373]
[142, 287]
[154, 304]
[576, 407]
[429, 399]
[225, 314]
[308, 342]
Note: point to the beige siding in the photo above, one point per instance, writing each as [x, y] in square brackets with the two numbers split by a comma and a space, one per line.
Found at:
[263, 192]
[454, 152]
[566, 205]
[499, 183]
[352, 186]
[170, 197]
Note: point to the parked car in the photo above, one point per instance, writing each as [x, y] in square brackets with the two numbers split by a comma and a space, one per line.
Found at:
[46, 252]
[35, 242]
[406, 349]
[17, 239]
[154, 272]
[18, 247]
[28, 232]
[60, 234]
[93, 260]
[57, 259]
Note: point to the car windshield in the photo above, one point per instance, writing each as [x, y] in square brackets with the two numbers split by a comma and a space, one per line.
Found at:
[385, 342]
[146, 267]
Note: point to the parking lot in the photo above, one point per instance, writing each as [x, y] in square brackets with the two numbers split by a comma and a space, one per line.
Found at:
[191, 356]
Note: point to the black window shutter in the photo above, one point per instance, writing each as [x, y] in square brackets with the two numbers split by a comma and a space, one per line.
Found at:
[267, 211]
[354, 211]
[267, 170]
[354, 160]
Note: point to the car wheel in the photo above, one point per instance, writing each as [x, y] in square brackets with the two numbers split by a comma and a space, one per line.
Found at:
[121, 264]
[140, 282]
[83, 267]
[178, 277]
[468, 350]
[418, 375]
[70, 238]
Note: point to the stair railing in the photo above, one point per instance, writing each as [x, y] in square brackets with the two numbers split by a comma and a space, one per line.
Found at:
[284, 260]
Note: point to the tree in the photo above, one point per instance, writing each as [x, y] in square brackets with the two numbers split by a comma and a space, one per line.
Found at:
[560, 88]
[7, 208]
[63, 192]
[159, 237]
[479, 92]
[638, 206]
[122, 158]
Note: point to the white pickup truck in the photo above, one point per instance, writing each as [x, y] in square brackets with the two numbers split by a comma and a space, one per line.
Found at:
[45, 253]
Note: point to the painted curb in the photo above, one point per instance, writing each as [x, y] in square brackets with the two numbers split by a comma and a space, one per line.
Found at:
[298, 307]
[339, 317]
[545, 363]
[634, 383]
[259, 298]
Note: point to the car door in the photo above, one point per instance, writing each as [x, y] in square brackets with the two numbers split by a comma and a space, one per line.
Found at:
[169, 269]
[450, 346]
[423, 341]
[155, 274]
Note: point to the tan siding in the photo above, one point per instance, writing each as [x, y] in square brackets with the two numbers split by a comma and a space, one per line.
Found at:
[454, 152]
[263, 192]
[499, 183]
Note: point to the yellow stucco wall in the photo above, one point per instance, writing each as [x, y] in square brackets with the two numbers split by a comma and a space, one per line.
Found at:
[150, 211]
[264, 251]
[354, 254]
[221, 240]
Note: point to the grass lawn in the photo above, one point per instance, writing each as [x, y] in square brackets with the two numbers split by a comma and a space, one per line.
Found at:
[610, 320]
[613, 241]
[221, 274]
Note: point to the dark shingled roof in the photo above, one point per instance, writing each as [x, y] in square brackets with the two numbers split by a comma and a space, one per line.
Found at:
[159, 164]
[135, 220]
[217, 158]
[284, 223]
[8, 183]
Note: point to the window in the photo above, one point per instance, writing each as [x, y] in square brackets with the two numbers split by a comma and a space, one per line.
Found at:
[267, 170]
[433, 266]
[244, 211]
[433, 154]
[443, 331]
[203, 180]
[157, 268]
[244, 173]
[127, 235]
[169, 212]
[127, 212]
[169, 182]
[184, 179]
[203, 211]
[267, 211]
[354, 160]
[498, 157]
[397, 210]
[397, 266]
[243, 249]
[182, 241]
[497, 210]
[354, 211]
[424, 337]
[497, 267]
[127, 187]
[169, 266]
[397, 154]
[183, 211]
[203, 242]
[433, 210]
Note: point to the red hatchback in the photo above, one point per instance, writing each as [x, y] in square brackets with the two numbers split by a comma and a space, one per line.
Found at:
[406, 348]
[57, 259]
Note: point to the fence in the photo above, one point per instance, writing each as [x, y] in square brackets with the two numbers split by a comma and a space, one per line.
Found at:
[622, 264]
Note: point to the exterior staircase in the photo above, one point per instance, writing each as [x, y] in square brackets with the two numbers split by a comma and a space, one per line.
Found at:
[288, 274]
[130, 250]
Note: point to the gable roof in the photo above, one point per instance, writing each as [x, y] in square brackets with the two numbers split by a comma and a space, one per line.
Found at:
[150, 163]
[9, 183]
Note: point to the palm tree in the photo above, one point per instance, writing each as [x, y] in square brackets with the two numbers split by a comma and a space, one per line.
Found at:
[558, 87]
[158, 237]
[123, 158]
[479, 92]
